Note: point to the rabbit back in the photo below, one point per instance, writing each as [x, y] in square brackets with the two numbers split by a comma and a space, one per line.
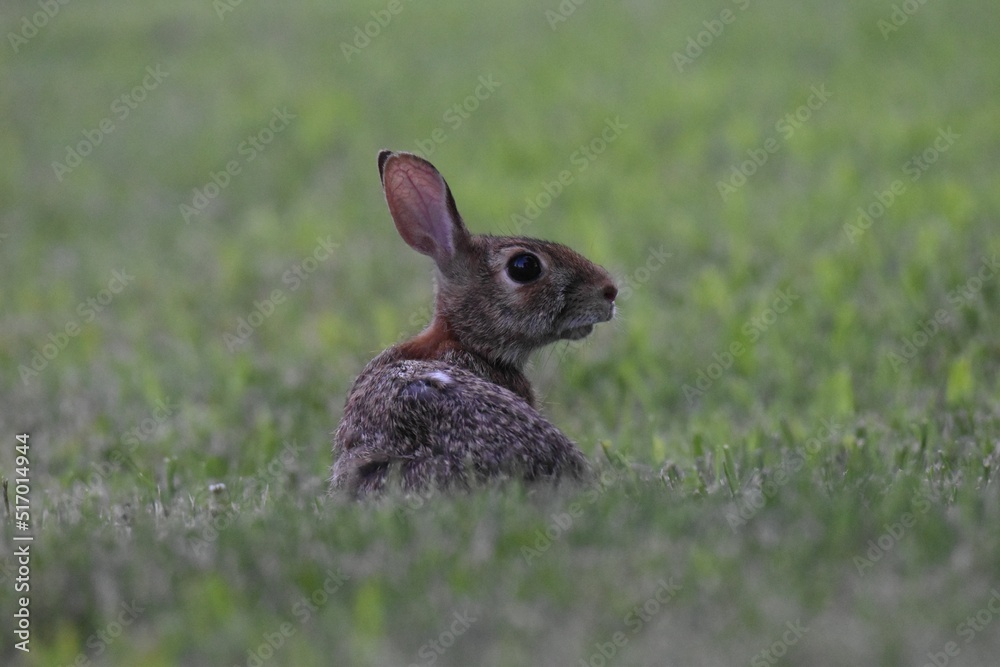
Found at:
[435, 423]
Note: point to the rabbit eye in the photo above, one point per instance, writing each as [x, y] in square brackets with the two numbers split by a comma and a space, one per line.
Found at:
[524, 267]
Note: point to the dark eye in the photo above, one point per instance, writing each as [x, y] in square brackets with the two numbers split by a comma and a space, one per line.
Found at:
[524, 267]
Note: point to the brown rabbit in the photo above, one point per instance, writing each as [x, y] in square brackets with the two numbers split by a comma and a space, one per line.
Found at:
[452, 404]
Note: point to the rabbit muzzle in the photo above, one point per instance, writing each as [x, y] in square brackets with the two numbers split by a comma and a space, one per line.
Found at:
[582, 324]
[576, 333]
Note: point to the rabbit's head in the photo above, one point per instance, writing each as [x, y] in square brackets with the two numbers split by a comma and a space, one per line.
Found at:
[498, 296]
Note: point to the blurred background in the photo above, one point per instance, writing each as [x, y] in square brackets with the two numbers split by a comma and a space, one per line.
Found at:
[799, 200]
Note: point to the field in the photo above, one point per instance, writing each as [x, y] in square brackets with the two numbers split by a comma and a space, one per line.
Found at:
[795, 415]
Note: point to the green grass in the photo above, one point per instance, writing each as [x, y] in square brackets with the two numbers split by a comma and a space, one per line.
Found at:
[836, 469]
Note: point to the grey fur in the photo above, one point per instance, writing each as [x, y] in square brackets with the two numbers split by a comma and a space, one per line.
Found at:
[452, 406]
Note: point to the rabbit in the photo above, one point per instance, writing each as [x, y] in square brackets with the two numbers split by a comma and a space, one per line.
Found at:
[452, 405]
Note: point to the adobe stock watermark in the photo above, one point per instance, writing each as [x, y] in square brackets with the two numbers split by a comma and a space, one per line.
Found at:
[968, 630]
[30, 25]
[456, 115]
[968, 291]
[246, 151]
[916, 341]
[87, 310]
[418, 321]
[752, 330]
[431, 651]
[898, 17]
[752, 501]
[364, 34]
[914, 168]
[304, 609]
[786, 126]
[696, 44]
[121, 107]
[223, 7]
[629, 283]
[98, 642]
[776, 650]
[293, 277]
[961, 295]
[633, 621]
[892, 534]
[579, 161]
[561, 522]
[308, 606]
[563, 11]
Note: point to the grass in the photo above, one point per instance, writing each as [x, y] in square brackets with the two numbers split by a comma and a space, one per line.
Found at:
[811, 486]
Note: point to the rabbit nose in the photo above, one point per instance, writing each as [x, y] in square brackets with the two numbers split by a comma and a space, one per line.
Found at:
[610, 292]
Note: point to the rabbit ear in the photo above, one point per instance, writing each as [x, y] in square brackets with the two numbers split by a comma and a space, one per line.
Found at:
[421, 205]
